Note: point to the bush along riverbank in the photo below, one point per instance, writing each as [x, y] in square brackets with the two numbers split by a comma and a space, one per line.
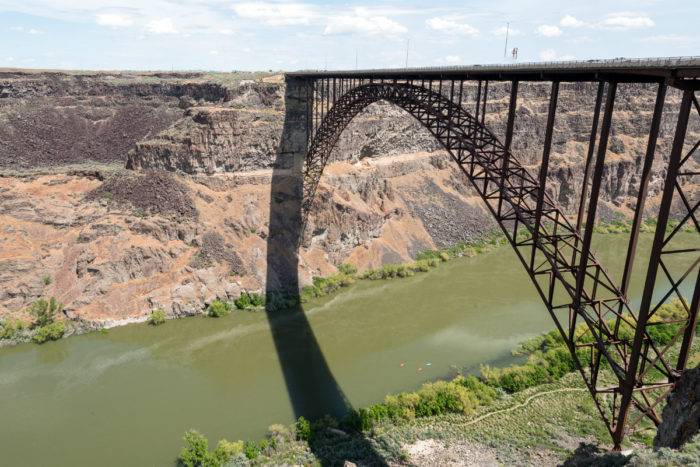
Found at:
[44, 326]
[382, 429]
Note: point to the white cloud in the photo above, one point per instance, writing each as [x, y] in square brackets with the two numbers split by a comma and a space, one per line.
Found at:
[10, 59]
[26, 30]
[569, 21]
[453, 59]
[276, 14]
[113, 20]
[502, 31]
[624, 21]
[371, 25]
[226, 31]
[548, 31]
[450, 26]
[550, 55]
[213, 52]
[161, 26]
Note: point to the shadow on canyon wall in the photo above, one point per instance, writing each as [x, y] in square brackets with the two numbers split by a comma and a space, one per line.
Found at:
[312, 388]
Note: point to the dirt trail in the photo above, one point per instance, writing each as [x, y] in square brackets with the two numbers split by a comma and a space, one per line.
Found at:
[522, 404]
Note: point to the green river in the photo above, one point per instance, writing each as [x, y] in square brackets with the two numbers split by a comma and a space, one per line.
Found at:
[127, 397]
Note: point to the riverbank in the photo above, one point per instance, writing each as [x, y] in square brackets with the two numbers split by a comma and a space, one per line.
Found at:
[14, 331]
[538, 412]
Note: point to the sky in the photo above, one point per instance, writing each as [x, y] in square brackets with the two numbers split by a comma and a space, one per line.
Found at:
[227, 35]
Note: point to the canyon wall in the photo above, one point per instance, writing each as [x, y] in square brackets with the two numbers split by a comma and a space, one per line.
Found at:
[188, 219]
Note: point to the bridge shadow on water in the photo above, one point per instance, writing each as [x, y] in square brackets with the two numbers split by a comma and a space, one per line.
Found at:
[312, 388]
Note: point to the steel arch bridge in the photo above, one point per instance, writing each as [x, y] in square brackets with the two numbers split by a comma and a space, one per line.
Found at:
[553, 247]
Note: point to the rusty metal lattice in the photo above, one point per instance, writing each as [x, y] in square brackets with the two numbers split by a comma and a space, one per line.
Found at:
[554, 249]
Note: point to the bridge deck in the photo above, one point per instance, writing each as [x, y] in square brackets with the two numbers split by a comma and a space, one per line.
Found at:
[637, 70]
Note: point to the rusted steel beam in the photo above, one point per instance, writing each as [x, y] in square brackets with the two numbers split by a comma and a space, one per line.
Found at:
[690, 327]
[630, 381]
[589, 158]
[512, 107]
[478, 101]
[593, 205]
[643, 187]
[544, 166]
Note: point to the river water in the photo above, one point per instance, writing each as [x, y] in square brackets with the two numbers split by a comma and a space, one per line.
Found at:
[127, 397]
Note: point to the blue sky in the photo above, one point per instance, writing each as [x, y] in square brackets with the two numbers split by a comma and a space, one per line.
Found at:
[288, 35]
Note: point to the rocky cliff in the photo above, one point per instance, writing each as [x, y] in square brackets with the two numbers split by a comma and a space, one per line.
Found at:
[681, 416]
[189, 222]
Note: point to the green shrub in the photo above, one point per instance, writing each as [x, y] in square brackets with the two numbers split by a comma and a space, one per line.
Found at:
[516, 377]
[157, 317]
[50, 332]
[218, 308]
[44, 311]
[482, 393]
[303, 430]
[225, 450]
[196, 451]
[281, 301]
[347, 269]
[249, 300]
[10, 329]
[323, 286]
[253, 449]
[46, 280]
[422, 265]
[461, 395]
[443, 397]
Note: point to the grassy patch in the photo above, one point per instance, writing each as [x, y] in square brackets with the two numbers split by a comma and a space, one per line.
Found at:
[322, 286]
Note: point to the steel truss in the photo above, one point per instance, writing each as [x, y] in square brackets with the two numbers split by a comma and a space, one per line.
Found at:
[554, 249]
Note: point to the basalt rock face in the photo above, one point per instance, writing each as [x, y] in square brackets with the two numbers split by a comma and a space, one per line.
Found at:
[50, 119]
[239, 136]
[681, 416]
